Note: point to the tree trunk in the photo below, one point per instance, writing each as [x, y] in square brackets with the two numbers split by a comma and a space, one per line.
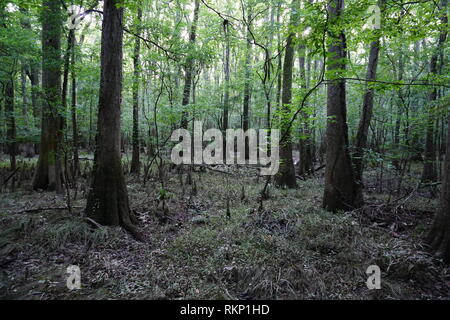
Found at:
[286, 174]
[366, 113]
[226, 96]
[267, 84]
[280, 57]
[108, 198]
[247, 89]
[48, 174]
[23, 84]
[135, 161]
[31, 69]
[10, 122]
[189, 67]
[306, 165]
[65, 88]
[34, 79]
[341, 190]
[75, 142]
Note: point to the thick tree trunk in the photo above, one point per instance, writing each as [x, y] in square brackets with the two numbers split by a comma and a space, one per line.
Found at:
[286, 175]
[341, 190]
[135, 160]
[48, 174]
[429, 173]
[108, 198]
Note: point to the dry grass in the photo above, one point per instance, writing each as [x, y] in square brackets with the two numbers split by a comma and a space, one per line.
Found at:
[292, 249]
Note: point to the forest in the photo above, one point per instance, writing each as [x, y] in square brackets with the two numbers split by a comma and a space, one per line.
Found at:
[224, 150]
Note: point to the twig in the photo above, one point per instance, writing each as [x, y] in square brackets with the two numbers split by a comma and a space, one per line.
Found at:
[96, 224]
[10, 176]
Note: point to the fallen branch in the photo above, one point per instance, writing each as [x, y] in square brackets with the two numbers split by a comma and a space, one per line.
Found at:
[216, 170]
[43, 209]
[93, 222]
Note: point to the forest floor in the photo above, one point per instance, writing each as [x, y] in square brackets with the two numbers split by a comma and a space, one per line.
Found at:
[289, 249]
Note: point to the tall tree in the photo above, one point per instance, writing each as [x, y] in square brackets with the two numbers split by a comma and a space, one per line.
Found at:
[189, 66]
[48, 174]
[367, 107]
[31, 70]
[73, 111]
[341, 190]
[65, 83]
[135, 161]
[108, 198]
[247, 81]
[286, 174]
[306, 164]
[226, 96]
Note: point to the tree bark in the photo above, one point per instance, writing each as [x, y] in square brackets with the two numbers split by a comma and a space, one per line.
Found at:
[48, 174]
[341, 191]
[286, 174]
[107, 202]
